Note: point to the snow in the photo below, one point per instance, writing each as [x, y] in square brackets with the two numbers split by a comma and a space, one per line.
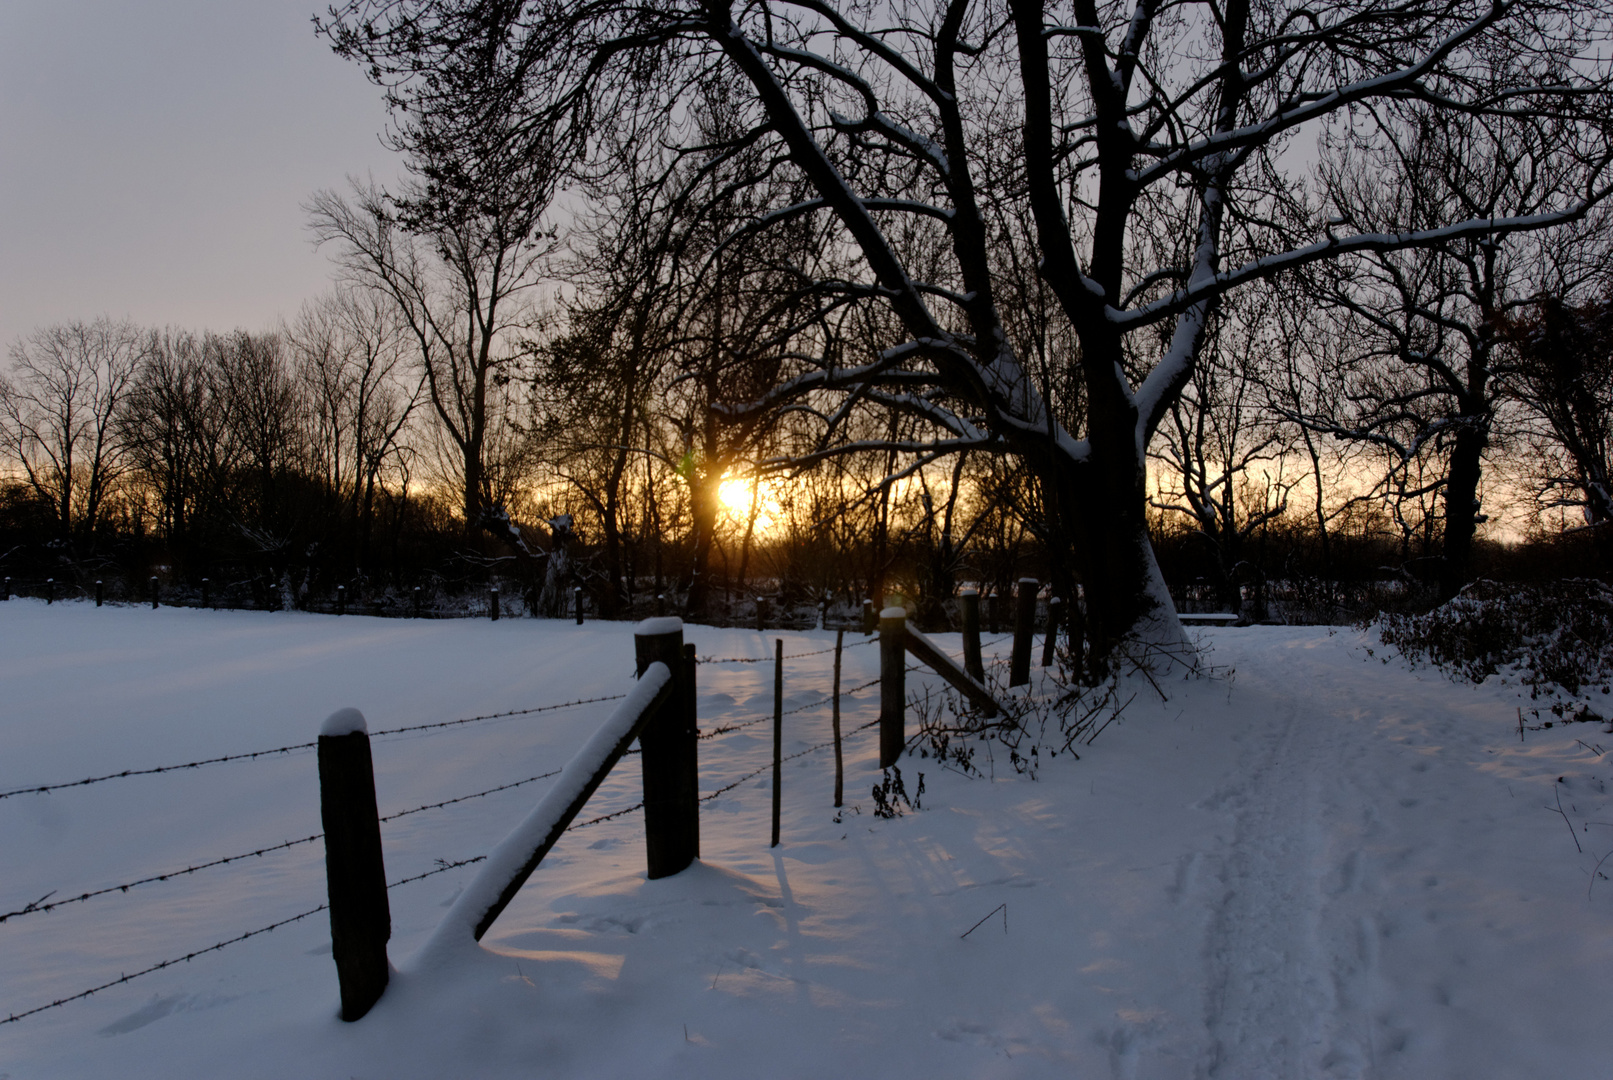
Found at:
[658, 625]
[343, 722]
[1315, 863]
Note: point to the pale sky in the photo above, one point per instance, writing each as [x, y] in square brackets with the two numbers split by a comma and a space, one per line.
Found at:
[154, 157]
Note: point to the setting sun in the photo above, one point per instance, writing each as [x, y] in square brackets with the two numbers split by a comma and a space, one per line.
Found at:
[736, 494]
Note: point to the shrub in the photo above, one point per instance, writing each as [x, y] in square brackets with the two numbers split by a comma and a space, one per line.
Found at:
[1556, 635]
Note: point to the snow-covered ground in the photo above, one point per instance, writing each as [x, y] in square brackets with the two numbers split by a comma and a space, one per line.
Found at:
[1321, 865]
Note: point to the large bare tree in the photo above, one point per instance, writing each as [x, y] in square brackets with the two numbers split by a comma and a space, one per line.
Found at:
[1143, 141]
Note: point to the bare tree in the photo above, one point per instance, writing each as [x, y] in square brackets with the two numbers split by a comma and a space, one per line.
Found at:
[1565, 381]
[1424, 382]
[1143, 141]
[1222, 451]
[350, 353]
[58, 412]
[457, 264]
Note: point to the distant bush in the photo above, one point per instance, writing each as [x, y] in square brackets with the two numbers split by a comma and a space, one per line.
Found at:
[1558, 634]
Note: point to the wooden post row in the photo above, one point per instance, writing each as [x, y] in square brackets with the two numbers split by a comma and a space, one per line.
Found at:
[100, 592]
[360, 918]
[1019, 664]
[669, 742]
[492, 604]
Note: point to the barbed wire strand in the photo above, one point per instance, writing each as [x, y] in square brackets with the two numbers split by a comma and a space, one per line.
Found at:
[120, 980]
[44, 788]
[39, 906]
[791, 656]
[497, 716]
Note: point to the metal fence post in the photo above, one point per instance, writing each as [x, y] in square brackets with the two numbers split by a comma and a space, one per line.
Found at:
[778, 734]
[892, 684]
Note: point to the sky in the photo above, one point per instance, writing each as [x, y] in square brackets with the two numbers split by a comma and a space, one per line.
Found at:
[155, 157]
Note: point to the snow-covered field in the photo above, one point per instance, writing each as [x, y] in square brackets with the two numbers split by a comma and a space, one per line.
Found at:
[1321, 865]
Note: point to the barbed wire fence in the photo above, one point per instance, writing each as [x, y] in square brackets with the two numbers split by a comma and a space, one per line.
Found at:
[44, 904]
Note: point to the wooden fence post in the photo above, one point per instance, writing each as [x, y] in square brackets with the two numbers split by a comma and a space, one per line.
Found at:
[205, 590]
[778, 733]
[8, 589]
[761, 613]
[417, 601]
[970, 602]
[823, 612]
[1055, 608]
[669, 754]
[100, 592]
[50, 591]
[892, 684]
[840, 768]
[869, 620]
[341, 599]
[576, 602]
[155, 592]
[360, 918]
[1019, 664]
[492, 604]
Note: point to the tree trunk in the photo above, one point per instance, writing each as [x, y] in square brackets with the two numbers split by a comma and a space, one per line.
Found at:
[705, 498]
[1461, 509]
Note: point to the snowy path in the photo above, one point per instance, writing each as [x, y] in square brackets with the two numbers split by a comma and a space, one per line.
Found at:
[1324, 866]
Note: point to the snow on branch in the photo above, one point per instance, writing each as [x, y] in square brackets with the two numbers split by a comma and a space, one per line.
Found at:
[1267, 266]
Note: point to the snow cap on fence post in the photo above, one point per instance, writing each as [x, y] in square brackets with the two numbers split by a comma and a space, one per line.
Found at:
[355, 875]
[669, 742]
[892, 684]
[343, 722]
